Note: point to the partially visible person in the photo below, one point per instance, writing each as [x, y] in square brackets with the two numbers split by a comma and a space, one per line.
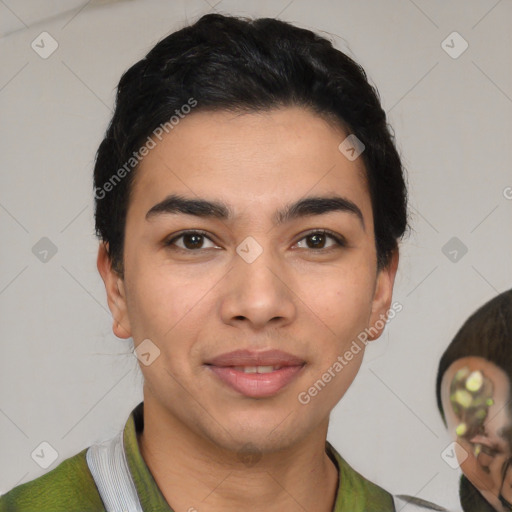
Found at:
[474, 397]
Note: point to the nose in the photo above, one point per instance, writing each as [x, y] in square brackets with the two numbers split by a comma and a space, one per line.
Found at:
[258, 293]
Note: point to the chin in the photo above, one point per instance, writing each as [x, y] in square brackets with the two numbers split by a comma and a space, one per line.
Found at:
[262, 444]
[250, 438]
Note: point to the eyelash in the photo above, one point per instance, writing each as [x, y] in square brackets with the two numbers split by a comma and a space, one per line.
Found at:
[340, 241]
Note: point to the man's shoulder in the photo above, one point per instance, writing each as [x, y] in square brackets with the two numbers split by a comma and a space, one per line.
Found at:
[376, 498]
[68, 487]
[355, 492]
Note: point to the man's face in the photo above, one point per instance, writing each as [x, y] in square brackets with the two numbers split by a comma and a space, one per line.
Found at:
[206, 295]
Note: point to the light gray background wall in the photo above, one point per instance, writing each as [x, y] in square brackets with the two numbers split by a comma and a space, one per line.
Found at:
[67, 380]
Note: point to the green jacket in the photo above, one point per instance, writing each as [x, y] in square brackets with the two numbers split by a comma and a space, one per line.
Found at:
[70, 486]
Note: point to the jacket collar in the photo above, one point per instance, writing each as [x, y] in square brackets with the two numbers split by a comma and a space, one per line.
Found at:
[354, 493]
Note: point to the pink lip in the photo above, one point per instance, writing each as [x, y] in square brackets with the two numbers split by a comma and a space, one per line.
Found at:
[256, 385]
[253, 358]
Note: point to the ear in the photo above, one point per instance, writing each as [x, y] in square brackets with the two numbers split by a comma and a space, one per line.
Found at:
[116, 296]
[382, 296]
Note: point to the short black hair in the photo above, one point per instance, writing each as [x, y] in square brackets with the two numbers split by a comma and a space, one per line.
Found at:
[243, 65]
[487, 333]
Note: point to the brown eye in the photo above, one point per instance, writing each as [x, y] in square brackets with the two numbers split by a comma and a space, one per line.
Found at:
[318, 239]
[190, 241]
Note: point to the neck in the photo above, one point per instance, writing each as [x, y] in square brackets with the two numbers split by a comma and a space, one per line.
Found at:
[193, 473]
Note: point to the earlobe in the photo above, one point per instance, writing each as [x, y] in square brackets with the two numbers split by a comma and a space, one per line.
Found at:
[116, 296]
[120, 331]
[382, 296]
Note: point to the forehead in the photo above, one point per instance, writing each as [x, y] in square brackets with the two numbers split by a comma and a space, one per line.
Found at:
[251, 157]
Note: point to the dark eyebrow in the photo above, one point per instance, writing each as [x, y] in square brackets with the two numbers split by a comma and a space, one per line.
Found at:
[198, 207]
[216, 209]
[318, 206]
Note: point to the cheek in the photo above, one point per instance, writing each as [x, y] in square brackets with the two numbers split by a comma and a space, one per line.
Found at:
[160, 300]
[342, 299]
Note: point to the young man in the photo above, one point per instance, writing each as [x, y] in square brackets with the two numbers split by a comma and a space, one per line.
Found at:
[249, 202]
